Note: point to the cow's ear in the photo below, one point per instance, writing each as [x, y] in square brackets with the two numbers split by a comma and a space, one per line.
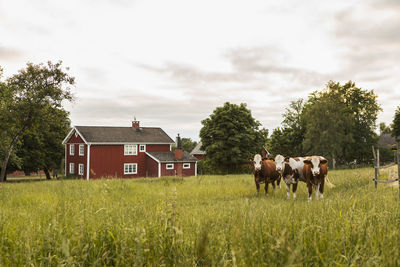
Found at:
[323, 161]
[250, 159]
[287, 159]
[306, 161]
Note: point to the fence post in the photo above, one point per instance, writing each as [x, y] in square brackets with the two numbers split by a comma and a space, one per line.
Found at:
[375, 165]
[378, 162]
[398, 166]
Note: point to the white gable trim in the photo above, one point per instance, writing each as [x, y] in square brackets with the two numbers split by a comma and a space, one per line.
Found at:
[152, 157]
[70, 134]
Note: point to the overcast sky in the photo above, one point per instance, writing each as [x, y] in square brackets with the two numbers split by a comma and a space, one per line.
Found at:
[171, 63]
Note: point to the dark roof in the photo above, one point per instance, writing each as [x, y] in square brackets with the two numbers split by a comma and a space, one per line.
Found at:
[197, 150]
[169, 156]
[386, 140]
[123, 134]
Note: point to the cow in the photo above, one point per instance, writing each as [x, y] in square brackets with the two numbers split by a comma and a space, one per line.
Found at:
[291, 170]
[264, 172]
[315, 170]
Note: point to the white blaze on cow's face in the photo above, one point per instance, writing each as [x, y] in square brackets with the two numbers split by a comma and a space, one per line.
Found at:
[257, 162]
[315, 165]
[280, 163]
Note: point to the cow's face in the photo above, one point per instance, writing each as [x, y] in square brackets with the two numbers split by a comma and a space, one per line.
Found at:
[257, 160]
[315, 163]
[280, 163]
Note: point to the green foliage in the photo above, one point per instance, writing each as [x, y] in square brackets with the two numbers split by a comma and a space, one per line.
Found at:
[230, 136]
[396, 124]
[30, 93]
[384, 129]
[338, 122]
[41, 147]
[187, 144]
[205, 220]
[288, 139]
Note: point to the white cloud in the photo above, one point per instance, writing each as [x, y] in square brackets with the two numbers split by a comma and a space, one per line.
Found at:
[171, 63]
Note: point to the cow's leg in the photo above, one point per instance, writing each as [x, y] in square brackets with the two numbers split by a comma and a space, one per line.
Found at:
[273, 185]
[258, 187]
[317, 191]
[294, 189]
[278, 181]
[288, 191]
[321, 188]
[309, 185]
[266, 188]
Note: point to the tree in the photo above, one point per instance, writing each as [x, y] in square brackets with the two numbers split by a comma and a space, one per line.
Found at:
[328, 126]
[32, 90]
[384, 129]
[230, 136]
[188, 144]
[396, 124]
[341, 121]
[41, 147]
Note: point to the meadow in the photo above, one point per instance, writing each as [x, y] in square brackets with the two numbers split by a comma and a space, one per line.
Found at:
[198, 221]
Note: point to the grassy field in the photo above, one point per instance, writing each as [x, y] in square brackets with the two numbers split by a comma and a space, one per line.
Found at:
[208, 220]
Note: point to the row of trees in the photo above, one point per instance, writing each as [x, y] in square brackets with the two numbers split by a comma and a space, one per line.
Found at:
[338, 122]
[33, 122]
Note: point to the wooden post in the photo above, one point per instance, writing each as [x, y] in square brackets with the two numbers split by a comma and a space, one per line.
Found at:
[375, 165]
[377, 159]
[398, 166]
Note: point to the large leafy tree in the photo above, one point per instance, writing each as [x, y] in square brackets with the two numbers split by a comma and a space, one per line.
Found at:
[341, 121]
[32, 91]
[288, 139]
[230, 136]
[41, 147]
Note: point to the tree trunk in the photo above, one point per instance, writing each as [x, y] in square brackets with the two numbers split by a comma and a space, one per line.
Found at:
[46, 171]
[5, 161]
[8, 154]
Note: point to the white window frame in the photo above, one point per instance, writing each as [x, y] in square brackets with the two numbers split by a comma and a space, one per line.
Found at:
[169, 166]
[130, 150]
[127, 168]
[81, 169]
[186, 165]
[142, 146]
[71, 168]
[81, 149]
[71, 149]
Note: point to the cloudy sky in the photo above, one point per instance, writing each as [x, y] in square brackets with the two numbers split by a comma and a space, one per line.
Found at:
[171, 63]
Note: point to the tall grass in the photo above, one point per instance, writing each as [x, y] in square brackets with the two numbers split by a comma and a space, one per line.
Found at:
[208, 220]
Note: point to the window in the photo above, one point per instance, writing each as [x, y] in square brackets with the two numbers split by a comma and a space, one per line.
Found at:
[170, 166]
[80, 170]
[71, 149]
[142, 148]
[186, 165]
[130, 150]
[130, 168]
[71, 168]
[81, 150]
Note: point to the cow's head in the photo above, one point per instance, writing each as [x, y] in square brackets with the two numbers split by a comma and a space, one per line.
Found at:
[257, 161]
[315, 163]
[280, 163]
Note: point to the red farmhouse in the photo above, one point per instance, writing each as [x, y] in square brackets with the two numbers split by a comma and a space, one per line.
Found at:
[126, 152]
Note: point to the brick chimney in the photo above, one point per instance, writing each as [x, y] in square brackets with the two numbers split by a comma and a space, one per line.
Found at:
[178, 149]
[135, 124]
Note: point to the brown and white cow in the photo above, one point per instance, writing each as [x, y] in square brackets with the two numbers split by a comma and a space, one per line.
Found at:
[291, 170]
[315, 170]
[264, 172]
